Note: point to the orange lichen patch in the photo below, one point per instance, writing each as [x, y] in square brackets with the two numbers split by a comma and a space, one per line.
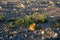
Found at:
[32, 26]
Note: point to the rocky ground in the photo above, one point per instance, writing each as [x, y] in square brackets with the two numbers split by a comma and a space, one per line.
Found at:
[46, 31]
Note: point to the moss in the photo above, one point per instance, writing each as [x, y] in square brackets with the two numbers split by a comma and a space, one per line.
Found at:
[32, 17]
[42, 18]
[58, 20]
[12, 20]
[12, 25]
[26, 20]
[2, 18]
[19, 21]
[57, 25]
[29, 19]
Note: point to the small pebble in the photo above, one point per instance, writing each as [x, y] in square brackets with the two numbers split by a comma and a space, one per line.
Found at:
[10, 37]
[14, 9]
[6, 29]
[6, 36]
[0, 37]
[0, 31]
[0, 7]
[57, 28]
[59, 31]
[42, 38]
[51, 16]
[25, 35]
[22, 5]
[55, 35]
[14, 32]
[42, 32]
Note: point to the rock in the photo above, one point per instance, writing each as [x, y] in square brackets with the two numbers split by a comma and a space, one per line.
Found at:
[57, 28]
[50, 32]
[14, 9]
[14, 32]
[37, 32]
[10, 37]
[42, 38]
[55, 35]
[0, 31]
[52, 17]
[42, 32]
[21, 5]
[51, 2]
[0, 7]
[0, 37]
[59, 31]
[6, 29]
[25, 35]
[6, 36]
[34, 9]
